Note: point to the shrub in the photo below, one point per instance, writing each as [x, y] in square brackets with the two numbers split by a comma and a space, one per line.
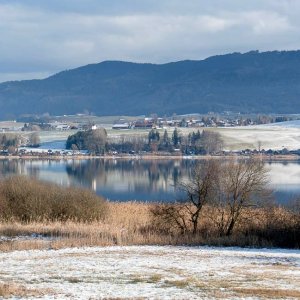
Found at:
[29, 200]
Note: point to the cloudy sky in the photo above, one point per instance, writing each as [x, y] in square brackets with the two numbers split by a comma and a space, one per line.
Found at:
[42, 37]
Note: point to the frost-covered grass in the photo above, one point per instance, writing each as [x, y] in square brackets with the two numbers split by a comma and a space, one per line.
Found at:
[153, 272]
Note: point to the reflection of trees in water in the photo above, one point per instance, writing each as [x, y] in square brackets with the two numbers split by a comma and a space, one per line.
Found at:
[33, 171]
[144, 174]
[139, 175]
[11, 167]
[184, 171]
[84, 172]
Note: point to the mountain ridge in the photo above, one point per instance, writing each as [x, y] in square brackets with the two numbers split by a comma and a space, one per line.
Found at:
[262, 82]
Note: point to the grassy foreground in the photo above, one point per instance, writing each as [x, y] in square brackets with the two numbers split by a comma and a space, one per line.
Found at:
[132, 223]
[38, 215]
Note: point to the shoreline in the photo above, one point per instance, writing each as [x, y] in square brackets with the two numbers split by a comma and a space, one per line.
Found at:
[268, 158]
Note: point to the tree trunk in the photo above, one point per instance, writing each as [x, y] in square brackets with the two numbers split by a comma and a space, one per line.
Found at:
[230, 227]
[195, 219]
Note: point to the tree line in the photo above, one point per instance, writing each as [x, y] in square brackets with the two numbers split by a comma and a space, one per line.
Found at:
[98, 142]
[10, 142]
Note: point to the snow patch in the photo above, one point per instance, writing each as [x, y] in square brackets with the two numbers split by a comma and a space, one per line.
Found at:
[152, 272]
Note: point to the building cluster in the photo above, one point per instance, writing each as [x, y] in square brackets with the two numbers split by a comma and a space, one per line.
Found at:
[85, 122]
[192, 122]
[59, 126]
[27, 151]
[269, 152]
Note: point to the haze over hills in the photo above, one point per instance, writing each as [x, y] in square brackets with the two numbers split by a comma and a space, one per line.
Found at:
[254, 82]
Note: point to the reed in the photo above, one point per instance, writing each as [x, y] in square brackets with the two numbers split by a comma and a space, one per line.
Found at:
[132, 223]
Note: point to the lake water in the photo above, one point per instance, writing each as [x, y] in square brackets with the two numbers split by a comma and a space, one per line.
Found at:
[134, 179]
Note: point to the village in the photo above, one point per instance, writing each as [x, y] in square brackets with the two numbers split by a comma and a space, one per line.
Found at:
[45, 136]
[82, 121]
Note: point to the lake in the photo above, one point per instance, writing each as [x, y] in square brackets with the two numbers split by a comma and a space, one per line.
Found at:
[135, 179]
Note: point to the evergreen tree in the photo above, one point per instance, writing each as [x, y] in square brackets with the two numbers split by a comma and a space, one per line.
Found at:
[175, 137]
[166, 140]
[153, 136]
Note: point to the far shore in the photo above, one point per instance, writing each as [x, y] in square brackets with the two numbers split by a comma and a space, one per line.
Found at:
[262, 157]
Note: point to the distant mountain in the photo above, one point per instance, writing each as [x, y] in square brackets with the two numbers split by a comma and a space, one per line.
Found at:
[252, 82]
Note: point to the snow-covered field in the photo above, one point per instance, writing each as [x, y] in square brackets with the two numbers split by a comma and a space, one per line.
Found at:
[149, 272]
[265, 137]
[287, 124]
[272, 136]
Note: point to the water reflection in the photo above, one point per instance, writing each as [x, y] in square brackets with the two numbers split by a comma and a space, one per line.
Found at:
[130, 179]
[145, 180]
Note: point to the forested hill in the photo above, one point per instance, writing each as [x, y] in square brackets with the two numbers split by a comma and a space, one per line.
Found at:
[251, 82]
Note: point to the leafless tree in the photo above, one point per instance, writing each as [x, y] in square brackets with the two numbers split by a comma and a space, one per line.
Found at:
[96, 140]
[35, 127]
[138, 143]
[259, 143]
[34, 139]
[242, 184]
[200, 190]
[227, 188]
[74, 148]
[211, 142]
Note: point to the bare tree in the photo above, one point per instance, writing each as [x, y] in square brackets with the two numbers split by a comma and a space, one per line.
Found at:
[34, 139]
[138, 143]
[96, 140]
[200, 190]
[74, 148]
[9, 142]
[211, 142]
[35, 127]
[242, 185]
[259, 143]
[227, 188]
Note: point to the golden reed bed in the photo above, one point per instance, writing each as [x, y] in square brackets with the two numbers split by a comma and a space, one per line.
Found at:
[132, 223]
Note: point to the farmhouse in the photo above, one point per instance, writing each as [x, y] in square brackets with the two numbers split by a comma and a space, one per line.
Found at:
[121, 126]
[146, 123]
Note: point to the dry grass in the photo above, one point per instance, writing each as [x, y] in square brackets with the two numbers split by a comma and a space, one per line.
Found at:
[269, 293]
[11, 289]
[67, 234]
[131, 223]
[125, 224]
[28, 200]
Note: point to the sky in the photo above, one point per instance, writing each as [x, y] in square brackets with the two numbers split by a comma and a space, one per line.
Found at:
[41, 37]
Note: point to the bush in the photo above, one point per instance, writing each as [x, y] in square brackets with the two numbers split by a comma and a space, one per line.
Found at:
[281, 228]
[28, 200]
[260, 227]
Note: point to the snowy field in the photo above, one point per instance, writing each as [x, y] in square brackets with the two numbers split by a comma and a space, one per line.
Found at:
[149, 272]
[235, 138]
[287, 124]
[265, 137]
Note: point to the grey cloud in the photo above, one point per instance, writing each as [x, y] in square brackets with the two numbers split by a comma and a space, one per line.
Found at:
[43, 37]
